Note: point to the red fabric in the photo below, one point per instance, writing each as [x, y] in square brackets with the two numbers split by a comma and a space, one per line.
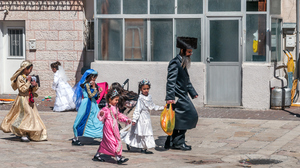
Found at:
[31, 97]
[104, 86]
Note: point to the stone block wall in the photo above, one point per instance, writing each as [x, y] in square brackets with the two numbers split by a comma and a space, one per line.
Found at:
[59, 37]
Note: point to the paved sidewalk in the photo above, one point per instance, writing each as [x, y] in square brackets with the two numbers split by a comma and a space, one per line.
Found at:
[216, 143]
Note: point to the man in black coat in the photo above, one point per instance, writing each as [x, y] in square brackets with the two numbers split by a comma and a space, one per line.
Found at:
[179, 86]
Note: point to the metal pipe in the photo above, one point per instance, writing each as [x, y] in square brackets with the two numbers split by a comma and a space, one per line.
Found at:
[282, 86]
[297, 45]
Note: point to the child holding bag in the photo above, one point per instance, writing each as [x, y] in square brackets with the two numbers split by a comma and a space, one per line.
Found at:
[141, 134]
[111, 143]
[23, 119]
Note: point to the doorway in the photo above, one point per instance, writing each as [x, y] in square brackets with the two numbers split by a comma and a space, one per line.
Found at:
[223, 61]
[12, 52]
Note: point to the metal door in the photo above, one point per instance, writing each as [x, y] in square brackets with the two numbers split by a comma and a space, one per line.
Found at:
[224, 62]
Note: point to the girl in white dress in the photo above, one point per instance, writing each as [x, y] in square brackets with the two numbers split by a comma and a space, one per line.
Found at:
[64, 92]
[141, 134]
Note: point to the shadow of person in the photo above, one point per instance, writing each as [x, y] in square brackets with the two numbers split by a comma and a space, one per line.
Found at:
[88, 141]
[160, 143]
[12, 138]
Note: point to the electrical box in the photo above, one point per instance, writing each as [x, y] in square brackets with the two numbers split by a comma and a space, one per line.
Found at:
[32, 44]
[290, 41]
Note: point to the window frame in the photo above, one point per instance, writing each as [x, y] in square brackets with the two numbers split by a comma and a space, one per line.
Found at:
[23, 42]
[147, 17]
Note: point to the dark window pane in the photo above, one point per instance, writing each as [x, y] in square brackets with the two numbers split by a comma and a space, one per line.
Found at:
[110, 42]
[224, 5]
[161, 40]
[190, 6]
[190, 28]
[108, 6]
[162, 6]
[135, 6]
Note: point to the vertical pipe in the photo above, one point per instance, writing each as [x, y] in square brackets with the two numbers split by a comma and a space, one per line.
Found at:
[297, 45]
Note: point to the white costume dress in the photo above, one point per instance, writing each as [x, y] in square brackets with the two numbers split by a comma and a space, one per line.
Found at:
[141, 135]
[64, 92]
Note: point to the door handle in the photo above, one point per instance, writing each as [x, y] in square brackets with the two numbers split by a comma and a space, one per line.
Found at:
[208, 59]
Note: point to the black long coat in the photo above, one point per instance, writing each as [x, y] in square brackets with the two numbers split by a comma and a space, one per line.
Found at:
[179, 85]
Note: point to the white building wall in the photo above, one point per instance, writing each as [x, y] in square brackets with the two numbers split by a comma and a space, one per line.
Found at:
[256, 85]
[156, 72]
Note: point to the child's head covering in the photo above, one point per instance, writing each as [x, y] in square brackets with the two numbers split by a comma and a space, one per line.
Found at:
[144, 82]
[23, 65]
[77, 97]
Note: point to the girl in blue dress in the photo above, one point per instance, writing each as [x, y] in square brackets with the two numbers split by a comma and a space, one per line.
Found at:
[85, 95]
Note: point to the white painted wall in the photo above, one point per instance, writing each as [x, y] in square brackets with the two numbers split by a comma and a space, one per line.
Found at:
[156, 72]
[255, 80]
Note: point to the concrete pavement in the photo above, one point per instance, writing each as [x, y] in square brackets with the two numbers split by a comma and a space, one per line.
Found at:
[216, 143]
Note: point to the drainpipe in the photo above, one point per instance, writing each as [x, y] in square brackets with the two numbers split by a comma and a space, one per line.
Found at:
[297, 46]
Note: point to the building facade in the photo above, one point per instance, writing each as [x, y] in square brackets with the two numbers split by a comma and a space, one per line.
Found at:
[238, 41]
[42, 32]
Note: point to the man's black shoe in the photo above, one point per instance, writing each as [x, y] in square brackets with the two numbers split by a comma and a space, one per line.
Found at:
[76, 143]
[187, 145]
[182, 147]
[122, 160]
[145, 151]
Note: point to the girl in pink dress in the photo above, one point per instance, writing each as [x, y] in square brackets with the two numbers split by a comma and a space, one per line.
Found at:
[111, 143]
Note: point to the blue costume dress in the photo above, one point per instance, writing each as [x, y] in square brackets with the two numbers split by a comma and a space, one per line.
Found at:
[86, 123]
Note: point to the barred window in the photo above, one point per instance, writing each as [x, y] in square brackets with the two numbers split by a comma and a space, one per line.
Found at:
[15, 41]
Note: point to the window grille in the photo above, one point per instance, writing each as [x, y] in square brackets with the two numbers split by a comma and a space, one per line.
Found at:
[15, 41]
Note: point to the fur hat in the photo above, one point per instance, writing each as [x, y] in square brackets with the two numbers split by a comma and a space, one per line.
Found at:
[186, 42]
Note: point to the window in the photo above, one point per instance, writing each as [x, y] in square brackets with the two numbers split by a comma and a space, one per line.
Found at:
[256, 5]
[110, 44]
[224, 5]
[161, 39]
[256, 37]
[145, 30]
[162, 6]
[275, 7]
[135, 40]
[16, 42]
[108, 6]
[276, 39]
[89, 35]
[194, 30]
[190, 6]
[135, 6]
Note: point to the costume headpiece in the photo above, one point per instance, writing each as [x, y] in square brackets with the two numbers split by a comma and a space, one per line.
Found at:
[77, 97]
[114, 93]
[186, 43]
[23, 65]
[145, 82]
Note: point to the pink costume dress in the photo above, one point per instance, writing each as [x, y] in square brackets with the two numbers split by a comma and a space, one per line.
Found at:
[111, 143]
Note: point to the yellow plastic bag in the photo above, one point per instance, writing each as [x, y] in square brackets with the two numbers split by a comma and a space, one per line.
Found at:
[167, 120]
[255, 45]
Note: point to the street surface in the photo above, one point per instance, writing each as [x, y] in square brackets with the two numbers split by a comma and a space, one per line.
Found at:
[223, 137]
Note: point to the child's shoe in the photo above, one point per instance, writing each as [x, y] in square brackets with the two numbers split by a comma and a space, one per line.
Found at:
[145, 151]
[76, 143]
[122, 160]
[25, 139]
[128, 147]
[98, 158]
